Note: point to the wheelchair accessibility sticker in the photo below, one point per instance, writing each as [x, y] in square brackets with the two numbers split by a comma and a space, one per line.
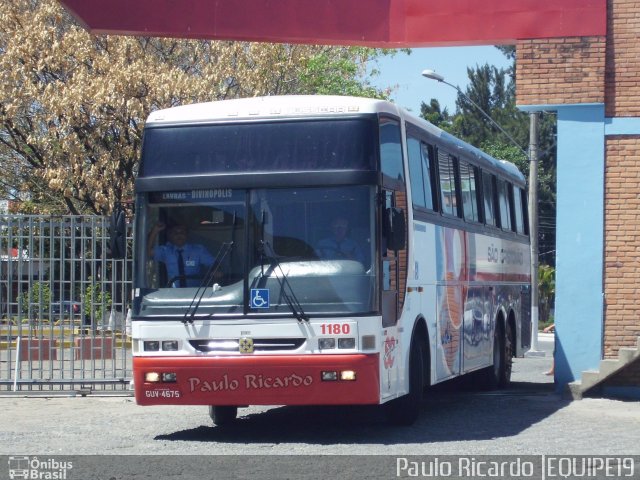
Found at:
[259, 298]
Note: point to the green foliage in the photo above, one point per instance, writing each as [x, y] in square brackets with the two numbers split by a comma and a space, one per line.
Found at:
[37, 298]
[506, 151]
[96, 301]
[340, 71]
[494, 93]
[432, 113]
[546, 292]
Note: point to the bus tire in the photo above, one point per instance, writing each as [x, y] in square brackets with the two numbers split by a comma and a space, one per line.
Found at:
[404, 411]
[499, 374]
[223, 415]
[509, 346]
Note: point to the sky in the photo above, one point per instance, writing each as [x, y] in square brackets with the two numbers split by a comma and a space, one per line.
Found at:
[404, 73]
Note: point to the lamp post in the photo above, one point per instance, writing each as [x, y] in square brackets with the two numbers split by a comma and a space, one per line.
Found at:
[533, 199]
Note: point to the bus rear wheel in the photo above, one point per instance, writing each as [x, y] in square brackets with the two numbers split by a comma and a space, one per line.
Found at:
[404, 411]
[223, 415]
[499, 374]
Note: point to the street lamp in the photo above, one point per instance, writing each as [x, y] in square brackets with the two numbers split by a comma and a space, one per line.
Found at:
[533, 198]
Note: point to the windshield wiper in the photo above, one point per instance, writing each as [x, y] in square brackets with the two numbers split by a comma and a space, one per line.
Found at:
[290, 298]
[208, 278]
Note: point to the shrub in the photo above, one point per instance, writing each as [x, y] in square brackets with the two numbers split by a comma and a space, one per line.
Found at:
[38, 298]
[546, 293]
[96, 300]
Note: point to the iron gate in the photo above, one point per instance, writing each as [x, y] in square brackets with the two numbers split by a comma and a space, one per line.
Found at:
[63, 305]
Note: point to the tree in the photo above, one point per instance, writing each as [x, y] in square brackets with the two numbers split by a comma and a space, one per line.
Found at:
[433, 113]
[73, 105]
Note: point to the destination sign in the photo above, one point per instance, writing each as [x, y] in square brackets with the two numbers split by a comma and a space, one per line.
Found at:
[197, 195]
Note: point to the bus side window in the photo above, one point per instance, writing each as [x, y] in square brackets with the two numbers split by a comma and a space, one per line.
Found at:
[428, 173]
[488, 194]
[503, 202]
[469, 192]
[448, 190]
[391, 149]
[518, 208]
[416, 173]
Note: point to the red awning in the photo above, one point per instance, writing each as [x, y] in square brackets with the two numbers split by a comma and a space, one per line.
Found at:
[379, 23]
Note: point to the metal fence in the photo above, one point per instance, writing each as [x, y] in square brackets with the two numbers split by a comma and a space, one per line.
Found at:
[63, 305]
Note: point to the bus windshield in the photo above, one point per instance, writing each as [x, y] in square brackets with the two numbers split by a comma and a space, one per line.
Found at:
[249, 252]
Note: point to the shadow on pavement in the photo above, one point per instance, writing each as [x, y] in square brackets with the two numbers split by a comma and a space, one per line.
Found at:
[452, 412]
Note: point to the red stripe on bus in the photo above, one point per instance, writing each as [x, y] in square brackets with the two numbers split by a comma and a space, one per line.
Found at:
[501, 277]
[258, 380]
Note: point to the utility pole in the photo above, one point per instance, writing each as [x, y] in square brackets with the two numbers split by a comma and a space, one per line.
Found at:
[533, 228]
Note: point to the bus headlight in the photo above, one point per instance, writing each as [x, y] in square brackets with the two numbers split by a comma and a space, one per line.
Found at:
[170, 345]
[346, 343]
[152, 377]
[348, 375]
[329, 376]
[151, 346]
[326, 343]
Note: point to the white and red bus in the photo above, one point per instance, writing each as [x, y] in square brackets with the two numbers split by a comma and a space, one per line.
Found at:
[433, 282]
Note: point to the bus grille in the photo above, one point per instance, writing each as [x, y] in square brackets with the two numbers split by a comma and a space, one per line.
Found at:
[259, 344]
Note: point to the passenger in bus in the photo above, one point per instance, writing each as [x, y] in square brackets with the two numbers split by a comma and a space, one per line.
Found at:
[339, 245]
[186, 263]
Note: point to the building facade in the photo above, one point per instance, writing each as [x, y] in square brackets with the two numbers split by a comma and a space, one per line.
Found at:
[593, 85]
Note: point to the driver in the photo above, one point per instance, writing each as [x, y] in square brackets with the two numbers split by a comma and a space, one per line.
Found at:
[184, 261]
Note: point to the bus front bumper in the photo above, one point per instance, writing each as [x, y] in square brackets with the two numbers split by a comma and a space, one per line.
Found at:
[257, 380]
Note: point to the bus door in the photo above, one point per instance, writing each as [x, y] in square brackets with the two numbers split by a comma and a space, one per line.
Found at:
[394, 257]
[394, 282]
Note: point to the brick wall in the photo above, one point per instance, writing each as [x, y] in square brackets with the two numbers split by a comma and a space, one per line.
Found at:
[622, 243]
[623, 59]
[560, 71]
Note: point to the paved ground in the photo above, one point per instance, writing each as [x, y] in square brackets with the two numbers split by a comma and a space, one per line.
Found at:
[528, 418]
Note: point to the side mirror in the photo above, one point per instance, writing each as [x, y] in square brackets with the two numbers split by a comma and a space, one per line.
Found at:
[395, 227]
[118, 233]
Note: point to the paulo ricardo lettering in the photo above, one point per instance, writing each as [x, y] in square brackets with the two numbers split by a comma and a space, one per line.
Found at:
[248, 382]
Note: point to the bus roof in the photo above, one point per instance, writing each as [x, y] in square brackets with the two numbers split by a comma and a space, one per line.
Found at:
[305, 106]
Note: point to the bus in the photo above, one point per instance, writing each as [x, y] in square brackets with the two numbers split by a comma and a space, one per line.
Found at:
[270, 308]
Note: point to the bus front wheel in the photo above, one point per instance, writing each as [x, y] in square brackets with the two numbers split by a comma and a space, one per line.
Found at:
[223, 415]
[405, 410]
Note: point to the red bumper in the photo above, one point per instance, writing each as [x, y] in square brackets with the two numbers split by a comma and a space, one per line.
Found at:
[258, 380]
